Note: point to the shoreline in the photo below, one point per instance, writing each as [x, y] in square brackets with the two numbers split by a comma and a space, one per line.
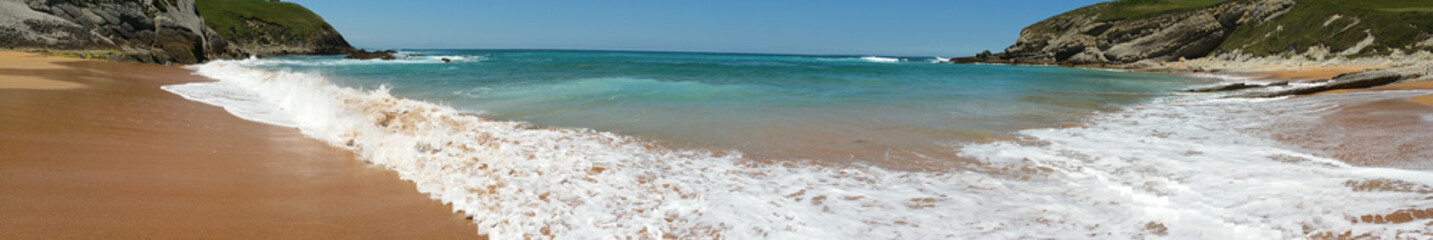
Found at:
[95, 149]
[1370, 134]
[1355, 122]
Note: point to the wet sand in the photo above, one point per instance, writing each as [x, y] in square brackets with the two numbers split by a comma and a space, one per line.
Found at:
[1425, 99]
[119, 158]
[1389, 133]
[19, 60]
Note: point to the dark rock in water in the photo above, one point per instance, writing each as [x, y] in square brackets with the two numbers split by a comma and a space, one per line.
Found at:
[1364, 79]
[446, 60]
[366, 55]
[1226, 87]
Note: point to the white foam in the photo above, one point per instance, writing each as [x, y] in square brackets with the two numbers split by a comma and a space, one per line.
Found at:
[237, 101]
[880, 59]
[1175, 169]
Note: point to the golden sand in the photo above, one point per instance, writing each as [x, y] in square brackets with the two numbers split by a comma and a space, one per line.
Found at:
[123, 159]
[1367, 134]
[1425, 99]
[15, 71]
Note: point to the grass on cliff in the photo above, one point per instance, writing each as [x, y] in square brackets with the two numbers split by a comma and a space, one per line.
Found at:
[231, 18]
[1397, 24]
[1129, 9]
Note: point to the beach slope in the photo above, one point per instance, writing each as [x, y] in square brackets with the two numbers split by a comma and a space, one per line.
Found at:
[96, 150]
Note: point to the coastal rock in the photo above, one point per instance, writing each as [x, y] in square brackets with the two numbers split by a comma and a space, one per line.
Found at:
[169, 31]
[145, 31]
[985, 54]
[1357, 80]
[366, 55]
[1226, 87]
[1095, 35]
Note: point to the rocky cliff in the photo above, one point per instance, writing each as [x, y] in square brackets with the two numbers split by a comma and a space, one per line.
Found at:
[1131, 31]
[152, 31]
[143, 31]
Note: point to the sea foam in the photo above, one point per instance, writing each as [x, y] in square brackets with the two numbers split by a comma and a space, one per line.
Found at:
[1181, 168]
[880, 59]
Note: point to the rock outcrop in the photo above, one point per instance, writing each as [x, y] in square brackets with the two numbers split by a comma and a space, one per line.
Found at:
[163, 31]
[1084, 37]
[366, 55]
[151, 31]
[1356, 80]
[1153, 31]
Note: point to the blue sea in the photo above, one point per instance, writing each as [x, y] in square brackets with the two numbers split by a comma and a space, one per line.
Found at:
[598, 144]
[886, 110]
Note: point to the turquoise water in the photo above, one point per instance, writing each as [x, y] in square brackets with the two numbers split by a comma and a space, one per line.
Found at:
[834, 108]
[633, 145]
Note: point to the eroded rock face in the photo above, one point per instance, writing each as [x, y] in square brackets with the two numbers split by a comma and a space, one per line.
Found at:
[153, 31]
[1075, 38]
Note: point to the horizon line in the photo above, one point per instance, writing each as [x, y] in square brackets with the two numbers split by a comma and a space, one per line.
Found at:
[664, 51]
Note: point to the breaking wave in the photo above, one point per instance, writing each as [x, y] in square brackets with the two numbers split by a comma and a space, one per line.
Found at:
[880, 59]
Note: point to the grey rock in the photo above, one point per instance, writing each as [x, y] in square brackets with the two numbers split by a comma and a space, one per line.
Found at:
[87, 17]
[133, 30]
[1085, 39]
[1227, 87]
[1090, 55]
[1364, 79]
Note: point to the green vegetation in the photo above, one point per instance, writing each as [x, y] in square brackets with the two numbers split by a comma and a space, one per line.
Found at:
[1130, 9]
[82, 54]
[1396, 24]
[251, 19]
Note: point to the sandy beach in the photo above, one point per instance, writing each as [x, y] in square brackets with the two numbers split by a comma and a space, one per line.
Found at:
[96, 150]
[1368, 134]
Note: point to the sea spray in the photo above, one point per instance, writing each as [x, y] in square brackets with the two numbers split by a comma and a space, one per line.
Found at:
[1181, 168]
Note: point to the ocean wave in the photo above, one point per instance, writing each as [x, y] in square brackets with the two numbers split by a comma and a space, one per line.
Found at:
[865, 59]
[1178, 168]
[880, 59]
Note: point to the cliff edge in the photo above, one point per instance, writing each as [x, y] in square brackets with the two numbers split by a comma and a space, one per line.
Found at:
[1134, 31]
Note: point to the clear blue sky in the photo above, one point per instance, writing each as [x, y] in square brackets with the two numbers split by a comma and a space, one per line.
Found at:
[879, 27]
